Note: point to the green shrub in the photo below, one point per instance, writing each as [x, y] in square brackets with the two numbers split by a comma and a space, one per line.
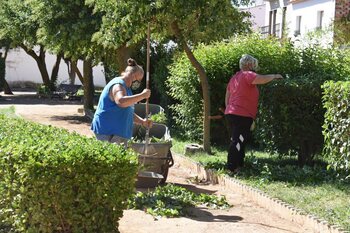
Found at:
[291, 117]
[305, 71]
[332, 62]
[336, 128]
[43, 90]
[162, 57]
[221, 61]
[54, 181]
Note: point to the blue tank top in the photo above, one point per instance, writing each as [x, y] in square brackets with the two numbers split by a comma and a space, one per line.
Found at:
[109, 118]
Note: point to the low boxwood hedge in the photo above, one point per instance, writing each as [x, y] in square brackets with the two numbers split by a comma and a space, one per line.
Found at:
[55, 181]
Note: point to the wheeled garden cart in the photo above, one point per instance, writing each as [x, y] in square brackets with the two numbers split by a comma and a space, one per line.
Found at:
[155, 166]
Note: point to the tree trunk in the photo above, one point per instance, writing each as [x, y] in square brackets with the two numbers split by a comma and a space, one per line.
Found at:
[204, 84]
[40, 60]
[88, 86]
[123, 54]
[71, 71]
[54, 72]
[305, 153]
[6, 87]
[75, 69]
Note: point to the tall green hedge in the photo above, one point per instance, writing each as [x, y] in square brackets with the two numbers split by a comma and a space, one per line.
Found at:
[336, 128]
[55, 181]
[304, 71]
[221, 61]
[291, 117]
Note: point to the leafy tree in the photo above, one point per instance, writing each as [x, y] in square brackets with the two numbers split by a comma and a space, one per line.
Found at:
[187, 22]
[68, 26]
[18, 25]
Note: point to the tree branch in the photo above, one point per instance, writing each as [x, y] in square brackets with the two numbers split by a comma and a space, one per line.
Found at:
[30, 52]
[6, 52]
[77, 71]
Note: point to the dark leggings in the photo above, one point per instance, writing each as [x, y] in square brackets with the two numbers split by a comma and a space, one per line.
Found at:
[239, 127]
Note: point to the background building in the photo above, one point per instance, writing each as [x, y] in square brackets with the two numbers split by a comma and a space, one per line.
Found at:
[257, 11]
[296, 18]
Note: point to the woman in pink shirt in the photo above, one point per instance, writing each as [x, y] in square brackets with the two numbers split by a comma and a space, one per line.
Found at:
[241, 102]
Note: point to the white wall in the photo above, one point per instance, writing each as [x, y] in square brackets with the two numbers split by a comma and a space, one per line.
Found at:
[20, 67]
[275, 5]
[257, 16]
[308, 11]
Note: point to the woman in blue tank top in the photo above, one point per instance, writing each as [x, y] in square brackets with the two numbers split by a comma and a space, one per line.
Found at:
[114, 116]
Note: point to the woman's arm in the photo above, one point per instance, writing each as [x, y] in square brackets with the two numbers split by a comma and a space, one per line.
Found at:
[263, 79]
[118, 94]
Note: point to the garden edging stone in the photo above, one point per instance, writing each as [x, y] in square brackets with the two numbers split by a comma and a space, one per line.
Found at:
[281, 208]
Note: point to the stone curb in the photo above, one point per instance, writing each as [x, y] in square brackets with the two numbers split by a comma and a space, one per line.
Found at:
[281, 208]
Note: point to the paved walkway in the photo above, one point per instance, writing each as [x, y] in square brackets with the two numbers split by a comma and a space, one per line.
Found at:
[244, 216]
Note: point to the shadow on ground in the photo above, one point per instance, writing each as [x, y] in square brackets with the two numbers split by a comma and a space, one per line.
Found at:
[202, 215]
[33, 98]
[72, 119]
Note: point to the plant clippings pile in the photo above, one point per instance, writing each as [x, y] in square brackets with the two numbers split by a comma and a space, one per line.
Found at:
[174, 201]
[159, 118]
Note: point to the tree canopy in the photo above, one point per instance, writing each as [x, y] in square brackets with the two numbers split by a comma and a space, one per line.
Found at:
[187, 22]
[91, 29]
[66, 26]
[200, 21]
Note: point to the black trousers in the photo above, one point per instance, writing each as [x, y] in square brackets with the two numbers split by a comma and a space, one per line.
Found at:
[239, 127]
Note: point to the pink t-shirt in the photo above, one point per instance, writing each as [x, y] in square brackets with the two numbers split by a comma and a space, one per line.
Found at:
[243, 95]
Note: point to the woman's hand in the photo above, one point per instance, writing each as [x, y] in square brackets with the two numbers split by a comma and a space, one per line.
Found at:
[278, 76]
[147, 123]
[146, 93]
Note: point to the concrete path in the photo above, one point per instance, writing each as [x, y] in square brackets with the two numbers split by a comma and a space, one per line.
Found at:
[244, 216]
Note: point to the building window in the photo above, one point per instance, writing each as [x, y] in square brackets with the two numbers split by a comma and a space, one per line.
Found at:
[320, 15]
[272, 23]
[297, 26]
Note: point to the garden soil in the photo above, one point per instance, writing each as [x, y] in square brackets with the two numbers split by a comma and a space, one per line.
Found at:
[244, 216]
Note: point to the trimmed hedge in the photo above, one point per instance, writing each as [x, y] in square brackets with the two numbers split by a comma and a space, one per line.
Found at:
[336, 128]
[297, 125]
[55, 181]
[221, 61]
[291, 117]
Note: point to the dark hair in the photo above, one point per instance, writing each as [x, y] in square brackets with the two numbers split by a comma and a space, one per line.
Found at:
[131, 62]
[133, 67]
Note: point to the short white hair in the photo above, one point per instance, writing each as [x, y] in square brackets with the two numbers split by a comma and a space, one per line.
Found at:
[248, 62]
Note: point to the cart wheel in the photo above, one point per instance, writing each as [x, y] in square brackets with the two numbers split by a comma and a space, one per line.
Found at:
[170, 159]
[165, 171]
[165, 168]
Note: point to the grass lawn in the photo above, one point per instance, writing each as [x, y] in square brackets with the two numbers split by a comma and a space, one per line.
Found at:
[313, 189]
